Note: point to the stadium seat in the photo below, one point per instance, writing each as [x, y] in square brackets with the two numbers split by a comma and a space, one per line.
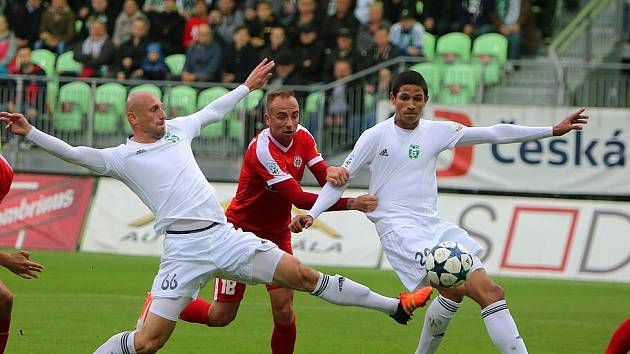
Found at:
[214, 130]
[459, 84]
[312, 106]
[431, 73]
[182, 101]
[46, 60]
[490, 54]
[428, 45]
[72, 106]
[67, 64]
[453, 47]
[175, 63]
[245, 107]
[147, 88]
[110, 108]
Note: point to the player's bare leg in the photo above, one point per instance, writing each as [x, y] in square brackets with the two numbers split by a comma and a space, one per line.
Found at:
[291, 273]
[6, 305]
[284, 330]
[152, 334]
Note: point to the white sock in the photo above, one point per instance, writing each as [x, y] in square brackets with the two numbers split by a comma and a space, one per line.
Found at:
[121, 343]
[436, 320]
[343, 291]
[502, 329]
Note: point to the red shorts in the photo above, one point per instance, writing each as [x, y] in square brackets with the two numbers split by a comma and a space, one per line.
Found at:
[6, 177]
[232, 291]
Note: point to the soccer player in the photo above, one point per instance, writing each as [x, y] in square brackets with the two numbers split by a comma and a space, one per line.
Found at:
[620, 340]
[19, 264]
[402, 153]
[272, 169]
[157, 163]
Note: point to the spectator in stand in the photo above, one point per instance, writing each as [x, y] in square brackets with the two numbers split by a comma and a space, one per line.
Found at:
[343, 18]
[345, 50]
[124, 22]
[367, 30]
[382, 50]
[285, 73]
[511, 17]
[437, 16]
[187, 7]
[306, 15]
[340, 101]
[260, 26]
[153, 66]
[310, 54]
[95, 53]
[129, 57]
[101, 11]
[277, 43]
[203, 58]
[393, 9]
[7, 45]
[25, 19]
[224, 20]
[239, 58]
[154, 5]
[167, 28]
[362, 9]
[474, 17]
[408, 35]
[33, 96]
[199, 17]
[56, 28]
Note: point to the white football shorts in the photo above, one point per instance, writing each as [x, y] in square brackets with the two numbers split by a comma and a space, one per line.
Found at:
[406, 249]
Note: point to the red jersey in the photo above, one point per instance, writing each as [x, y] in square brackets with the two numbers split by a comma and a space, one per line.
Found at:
[6, 177]
[257, 206]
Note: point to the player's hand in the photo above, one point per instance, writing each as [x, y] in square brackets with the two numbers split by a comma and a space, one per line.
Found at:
[20, 264]
[364, 203]
[573, 122]
[338, 176]
[260, 75]
[300, 222]
[16, 123]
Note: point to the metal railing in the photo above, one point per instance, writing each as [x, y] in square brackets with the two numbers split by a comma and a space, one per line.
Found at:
[594, 36]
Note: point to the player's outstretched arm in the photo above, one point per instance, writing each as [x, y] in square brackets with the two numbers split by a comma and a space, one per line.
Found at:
[20, 264]
[219, 108]
[574, 121]
[84, 156]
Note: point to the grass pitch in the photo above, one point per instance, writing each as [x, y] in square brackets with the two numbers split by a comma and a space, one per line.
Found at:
[82, 299]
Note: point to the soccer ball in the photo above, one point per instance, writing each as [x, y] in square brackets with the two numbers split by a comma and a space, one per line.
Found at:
[448, 264]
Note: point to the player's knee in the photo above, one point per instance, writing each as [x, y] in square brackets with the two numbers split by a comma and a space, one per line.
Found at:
[283, 314]
[307, 277]
[221, 319]
[148, 344]
[6, 298]
[495, 293]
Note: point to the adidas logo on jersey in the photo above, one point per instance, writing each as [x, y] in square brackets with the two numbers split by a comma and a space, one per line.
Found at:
[383, 153]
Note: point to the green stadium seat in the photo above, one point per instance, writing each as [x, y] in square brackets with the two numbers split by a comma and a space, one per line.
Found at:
[109, 112]
[182, 101]
[72, 107]
[431, 73]
[490, 54]
[147, 88]
[175, 63]
[45, 59]
[459, 84]
[214, 130]
[67, 64]
[428, 45]
[312, 106]
[244, 107]
[455, 45]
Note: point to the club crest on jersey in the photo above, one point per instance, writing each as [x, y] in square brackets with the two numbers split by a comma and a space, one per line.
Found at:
[457, 127]
[414, 151]
[274, 169]
[297, 161]
[171, 137]
[348, 162]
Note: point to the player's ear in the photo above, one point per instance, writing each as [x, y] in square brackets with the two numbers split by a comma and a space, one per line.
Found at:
[267, 118]
[392, 97]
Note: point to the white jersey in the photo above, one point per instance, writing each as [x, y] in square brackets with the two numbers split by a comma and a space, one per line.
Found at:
[402, 167]
[163, 174]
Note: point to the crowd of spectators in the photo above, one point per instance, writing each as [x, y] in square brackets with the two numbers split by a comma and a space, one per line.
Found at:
[223, 39]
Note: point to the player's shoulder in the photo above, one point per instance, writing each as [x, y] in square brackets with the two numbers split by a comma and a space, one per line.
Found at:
[444, 125]
[303, 135]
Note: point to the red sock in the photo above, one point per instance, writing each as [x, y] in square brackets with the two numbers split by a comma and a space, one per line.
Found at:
[4, 332]
[283, 337]
[620, 341]
[196, 311]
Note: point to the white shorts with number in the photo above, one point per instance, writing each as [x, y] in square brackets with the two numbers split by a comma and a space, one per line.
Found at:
[189, 261]
[406, 249]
